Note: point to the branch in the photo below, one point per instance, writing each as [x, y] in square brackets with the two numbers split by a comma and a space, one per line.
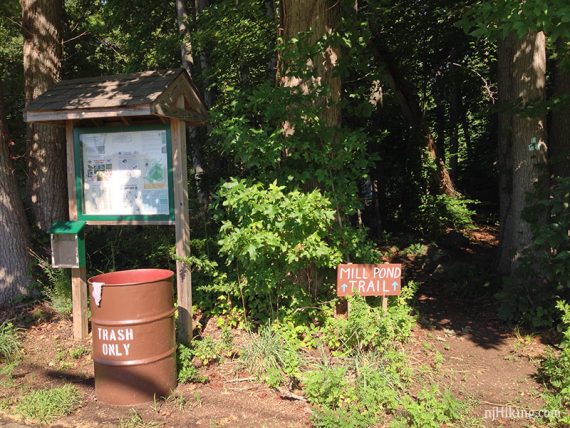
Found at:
[486, 84]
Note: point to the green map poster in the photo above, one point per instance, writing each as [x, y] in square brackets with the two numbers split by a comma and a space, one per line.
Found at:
[125, 173]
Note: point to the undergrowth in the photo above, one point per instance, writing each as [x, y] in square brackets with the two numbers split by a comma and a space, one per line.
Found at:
[270, 358]
[57, 289]
[10, 342]
[555, 372]
[47, 405]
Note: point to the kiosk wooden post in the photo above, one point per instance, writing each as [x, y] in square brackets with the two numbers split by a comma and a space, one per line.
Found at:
[78, 275]
[182, 225]
[155, 100]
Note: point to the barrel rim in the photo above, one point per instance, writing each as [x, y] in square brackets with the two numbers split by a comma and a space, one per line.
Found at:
[148, 276]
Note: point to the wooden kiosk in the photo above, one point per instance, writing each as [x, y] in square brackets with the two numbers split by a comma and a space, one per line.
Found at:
[126, 164]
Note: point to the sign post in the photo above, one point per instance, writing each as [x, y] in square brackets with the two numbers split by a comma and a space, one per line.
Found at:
[369, 280]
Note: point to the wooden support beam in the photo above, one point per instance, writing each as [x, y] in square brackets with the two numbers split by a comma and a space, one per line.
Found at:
[78, 276]
[182, 226]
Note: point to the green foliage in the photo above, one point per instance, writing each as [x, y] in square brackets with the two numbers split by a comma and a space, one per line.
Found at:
[202, 351]
[542, 276]
[275, 238]
[270, 358]
[58, 291]
[10, 342]
[135, 420]
[208, 350]
[346, 418]
[78, 352]
[436, 213]
[499, 18]
[187, 371]
[46, 405]
[431, 409]
[555, 369]
[359, 392]
[239, 42]
[370, 328]
[328, 387]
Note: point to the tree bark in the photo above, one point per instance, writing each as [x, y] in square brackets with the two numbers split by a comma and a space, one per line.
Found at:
[319, 17]
[559, 147]
[15, 272]
[186, 46]
[454, 114]
[522, 140]
[45, 145]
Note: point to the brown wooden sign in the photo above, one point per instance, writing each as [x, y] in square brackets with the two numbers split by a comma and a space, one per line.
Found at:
[368, 279]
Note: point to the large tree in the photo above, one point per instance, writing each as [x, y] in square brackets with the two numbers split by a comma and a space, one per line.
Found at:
[522, 139]
[43, 51]
[15, 272]
[320, 18]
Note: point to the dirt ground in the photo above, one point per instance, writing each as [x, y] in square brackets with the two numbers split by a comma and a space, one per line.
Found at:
[459, 336]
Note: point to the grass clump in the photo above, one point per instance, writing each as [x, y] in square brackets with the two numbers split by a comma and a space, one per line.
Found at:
[46, 405]
[270, 358]
[10, 342]
[58, 287]
[135, 420]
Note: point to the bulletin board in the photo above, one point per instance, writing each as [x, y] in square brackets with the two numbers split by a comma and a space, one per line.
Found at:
[124, 174]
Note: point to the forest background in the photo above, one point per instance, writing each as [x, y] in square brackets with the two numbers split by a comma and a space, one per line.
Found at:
[336, 130]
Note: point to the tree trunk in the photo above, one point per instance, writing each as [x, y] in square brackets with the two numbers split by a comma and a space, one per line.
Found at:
[187, 60]
[320, 17]
[454, 113]
[186, 46]
[522, 140]
[45, 145]
[15, 276]
[559, 147]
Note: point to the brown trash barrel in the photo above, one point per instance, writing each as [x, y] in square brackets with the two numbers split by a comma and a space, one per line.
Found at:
[134, 344]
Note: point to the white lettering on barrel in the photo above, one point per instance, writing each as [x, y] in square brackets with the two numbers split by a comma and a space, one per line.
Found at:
[106, 335]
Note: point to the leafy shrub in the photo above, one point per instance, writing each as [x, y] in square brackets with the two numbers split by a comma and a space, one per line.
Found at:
[346, 418]
[359, 391]
[542, 276]
[187, 372]
[369, 328]
[439, 212]
[10, 343]
[270, 358]
[58, 288]
[276, 239]
[555, 370]
[431, 409]
[46, 405]
[328, 387]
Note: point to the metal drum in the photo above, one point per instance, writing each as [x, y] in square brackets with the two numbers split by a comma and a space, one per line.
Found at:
[134, 344]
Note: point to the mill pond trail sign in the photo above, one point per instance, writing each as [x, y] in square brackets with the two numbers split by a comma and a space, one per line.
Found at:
[368, 279]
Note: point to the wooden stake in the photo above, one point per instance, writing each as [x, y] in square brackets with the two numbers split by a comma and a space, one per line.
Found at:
[385, 303]
[78, 276]
[182, 225]
[79, 299]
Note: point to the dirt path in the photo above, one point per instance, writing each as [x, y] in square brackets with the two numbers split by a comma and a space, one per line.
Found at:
[228, 399]
[481, 358]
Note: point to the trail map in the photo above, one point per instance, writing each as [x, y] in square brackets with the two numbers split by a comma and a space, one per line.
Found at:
[125, 173]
